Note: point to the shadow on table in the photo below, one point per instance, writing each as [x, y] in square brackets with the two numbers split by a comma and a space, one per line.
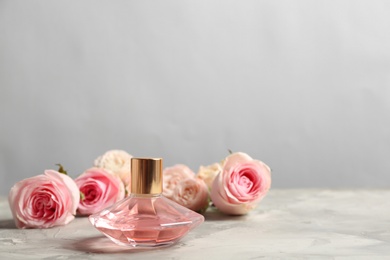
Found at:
[213, 214]
[7, 224]
[101, 244]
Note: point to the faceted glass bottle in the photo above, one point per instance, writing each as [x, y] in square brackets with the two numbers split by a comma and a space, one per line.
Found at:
[145, 218]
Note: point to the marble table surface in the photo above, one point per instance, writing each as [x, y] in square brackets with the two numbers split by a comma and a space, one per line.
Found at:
[288, 224]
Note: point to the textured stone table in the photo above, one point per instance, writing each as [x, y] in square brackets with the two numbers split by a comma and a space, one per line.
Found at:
[288, 224]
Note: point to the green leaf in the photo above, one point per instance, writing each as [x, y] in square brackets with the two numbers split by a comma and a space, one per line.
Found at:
[82, 196]
[61, 169]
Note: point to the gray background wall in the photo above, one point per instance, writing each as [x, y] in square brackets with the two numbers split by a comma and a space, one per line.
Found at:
[302, 85]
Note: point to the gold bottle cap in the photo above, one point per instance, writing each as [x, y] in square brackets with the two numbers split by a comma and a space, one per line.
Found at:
[146, 175]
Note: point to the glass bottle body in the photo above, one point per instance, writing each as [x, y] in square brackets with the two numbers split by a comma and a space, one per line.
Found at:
[146, 221]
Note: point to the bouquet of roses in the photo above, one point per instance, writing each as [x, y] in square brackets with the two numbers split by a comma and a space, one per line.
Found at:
[234, 186]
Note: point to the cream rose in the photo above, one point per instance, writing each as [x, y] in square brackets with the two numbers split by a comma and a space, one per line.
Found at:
[173, 175]
[192, 193]
[242, 183]
[208, 173]
[117, 162]
[44, 201]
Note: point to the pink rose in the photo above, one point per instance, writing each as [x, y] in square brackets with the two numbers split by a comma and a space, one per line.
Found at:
[118, 163]
[99, 189]
[242, 183]
[173, 175]
[192, 193]
[44, 201]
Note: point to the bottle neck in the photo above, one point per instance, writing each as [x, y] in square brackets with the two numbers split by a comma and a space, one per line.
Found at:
[145, 195]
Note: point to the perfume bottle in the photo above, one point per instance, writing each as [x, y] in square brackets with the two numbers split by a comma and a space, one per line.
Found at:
[146, 218]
